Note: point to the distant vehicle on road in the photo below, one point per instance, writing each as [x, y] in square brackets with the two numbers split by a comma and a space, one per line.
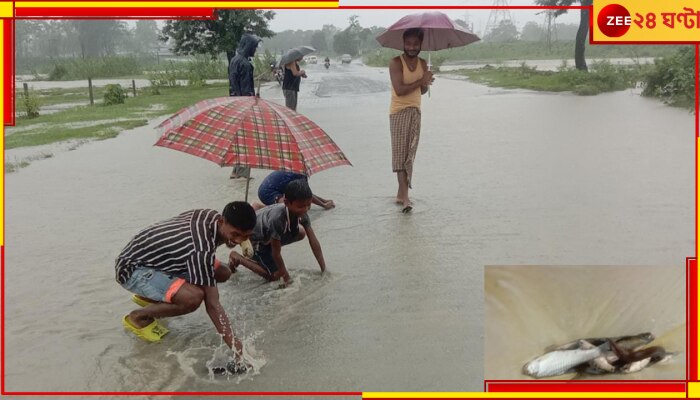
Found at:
[345, 59]
[312, 60]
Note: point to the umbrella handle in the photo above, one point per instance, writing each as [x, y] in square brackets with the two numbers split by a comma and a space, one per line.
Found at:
[430, 68]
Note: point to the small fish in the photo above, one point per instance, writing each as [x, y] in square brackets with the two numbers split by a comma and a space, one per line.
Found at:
[640, 365]
[624, 360]
[560, 362]
[232, 368]
[628, 342]
[608, 362]
[598, 365]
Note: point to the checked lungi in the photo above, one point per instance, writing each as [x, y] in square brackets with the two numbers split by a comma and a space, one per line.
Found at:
[405, 132]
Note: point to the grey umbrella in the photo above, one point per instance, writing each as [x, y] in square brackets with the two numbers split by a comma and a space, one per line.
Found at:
[295, 54]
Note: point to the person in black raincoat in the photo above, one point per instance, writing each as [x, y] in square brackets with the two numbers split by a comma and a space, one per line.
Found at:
[241, 83]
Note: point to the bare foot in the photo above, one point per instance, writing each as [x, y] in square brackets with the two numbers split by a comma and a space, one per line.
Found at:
[139, 322]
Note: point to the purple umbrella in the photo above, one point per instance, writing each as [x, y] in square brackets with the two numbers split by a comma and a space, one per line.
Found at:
[440, 32]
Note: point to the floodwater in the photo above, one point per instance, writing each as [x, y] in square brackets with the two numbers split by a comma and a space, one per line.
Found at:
[502, 177]
[542, 65]
[529, 308]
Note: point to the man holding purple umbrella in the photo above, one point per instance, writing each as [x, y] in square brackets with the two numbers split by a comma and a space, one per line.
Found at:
[410, 78]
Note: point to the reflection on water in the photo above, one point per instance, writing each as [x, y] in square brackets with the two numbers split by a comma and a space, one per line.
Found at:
[501, 177]
[529, 308]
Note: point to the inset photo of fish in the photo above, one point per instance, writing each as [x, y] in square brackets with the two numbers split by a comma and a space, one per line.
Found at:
[584, 322]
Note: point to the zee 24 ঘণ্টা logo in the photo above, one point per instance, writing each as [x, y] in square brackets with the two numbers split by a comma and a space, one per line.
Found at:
[651, 21]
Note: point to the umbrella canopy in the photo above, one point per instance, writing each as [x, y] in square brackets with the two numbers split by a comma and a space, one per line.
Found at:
[295, 54]
[440, 32]
[252, 132]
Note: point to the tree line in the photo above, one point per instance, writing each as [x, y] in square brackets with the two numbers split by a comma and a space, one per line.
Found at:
[101, 38]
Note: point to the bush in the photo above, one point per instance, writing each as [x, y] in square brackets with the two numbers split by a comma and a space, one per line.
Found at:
[203, 67]
[102, 67]
[57, 72]
[114, 94]
[30, 101]
[166, 77]
[672, 78]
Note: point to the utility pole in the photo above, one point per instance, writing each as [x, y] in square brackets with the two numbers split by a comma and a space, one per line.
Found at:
[499, 13]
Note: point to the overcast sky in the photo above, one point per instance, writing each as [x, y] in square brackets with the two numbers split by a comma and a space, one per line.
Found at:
[315, 19]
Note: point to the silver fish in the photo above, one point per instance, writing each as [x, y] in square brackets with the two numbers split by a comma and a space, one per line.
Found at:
[559, 362]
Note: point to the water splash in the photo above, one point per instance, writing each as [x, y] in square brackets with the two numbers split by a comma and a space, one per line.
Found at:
[222, 355]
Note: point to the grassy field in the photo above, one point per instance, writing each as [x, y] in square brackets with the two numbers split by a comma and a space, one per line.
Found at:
[99, 121]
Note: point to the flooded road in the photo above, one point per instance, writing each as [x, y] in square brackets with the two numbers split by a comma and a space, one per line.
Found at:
[502, 177]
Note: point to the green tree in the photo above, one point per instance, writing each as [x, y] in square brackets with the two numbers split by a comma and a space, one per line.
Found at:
[532, 32]
[318, 41]
[98, 37]
[581, 34]
[345, 42]
[26, 34]
[218, 35]
[566, 31]
[145, 36]
[504, 32]
[348, 40]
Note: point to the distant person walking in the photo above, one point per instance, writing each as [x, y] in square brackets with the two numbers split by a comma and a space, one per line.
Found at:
[409, 80]
[241, 82]
[291, 82]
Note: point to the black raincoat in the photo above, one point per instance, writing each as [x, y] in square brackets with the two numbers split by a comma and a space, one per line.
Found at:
[240, 69]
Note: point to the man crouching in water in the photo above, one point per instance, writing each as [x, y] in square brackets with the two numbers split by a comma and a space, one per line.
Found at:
[170, 266]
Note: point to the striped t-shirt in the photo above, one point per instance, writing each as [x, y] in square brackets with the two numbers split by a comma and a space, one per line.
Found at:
[182, 244]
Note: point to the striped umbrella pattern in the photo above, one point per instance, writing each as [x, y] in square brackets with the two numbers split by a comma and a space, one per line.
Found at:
[251, 132]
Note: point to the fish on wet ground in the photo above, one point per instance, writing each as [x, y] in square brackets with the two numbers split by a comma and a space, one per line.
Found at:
[622, 354]
[560, 362]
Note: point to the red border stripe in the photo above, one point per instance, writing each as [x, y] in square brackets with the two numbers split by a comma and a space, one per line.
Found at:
[114, 12]
[671, 387]
[8, 62]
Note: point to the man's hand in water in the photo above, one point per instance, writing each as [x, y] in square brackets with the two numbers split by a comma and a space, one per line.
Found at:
[286, 280]
[328, 205]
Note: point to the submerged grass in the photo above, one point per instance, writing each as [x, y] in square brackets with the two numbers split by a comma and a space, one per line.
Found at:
[602, 77]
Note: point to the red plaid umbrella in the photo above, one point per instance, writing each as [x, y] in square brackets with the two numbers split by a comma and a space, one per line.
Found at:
[252, 132]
